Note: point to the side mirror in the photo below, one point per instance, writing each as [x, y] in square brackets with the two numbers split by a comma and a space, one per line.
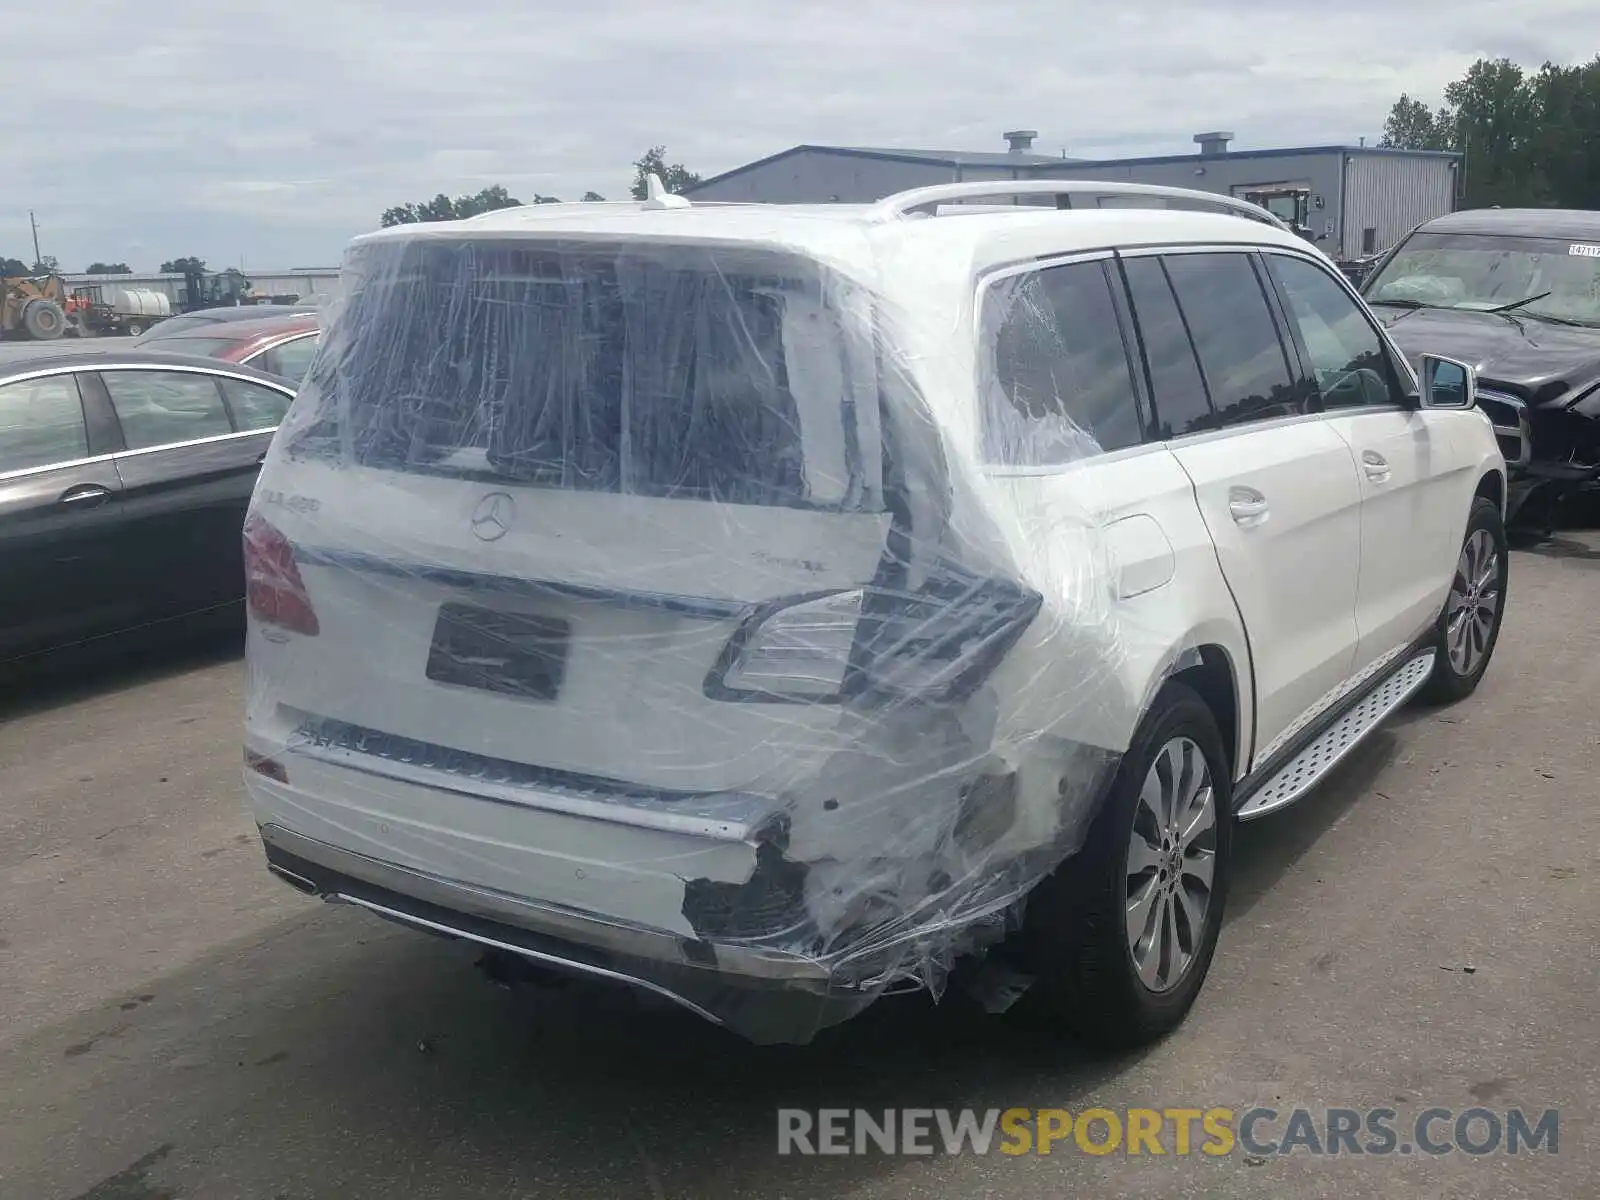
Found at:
[1447, 383]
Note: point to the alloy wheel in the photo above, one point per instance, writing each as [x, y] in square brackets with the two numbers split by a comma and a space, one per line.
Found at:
[1171, 865]
[1474, 603]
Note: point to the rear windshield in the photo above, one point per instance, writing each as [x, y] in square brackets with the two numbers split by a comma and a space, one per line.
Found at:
[684, 372]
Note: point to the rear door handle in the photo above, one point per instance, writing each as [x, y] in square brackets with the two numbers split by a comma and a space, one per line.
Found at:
[1375, 465]
[85, 495]
[1247, 506]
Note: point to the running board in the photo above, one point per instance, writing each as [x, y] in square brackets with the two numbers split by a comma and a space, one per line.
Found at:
[1302, 772]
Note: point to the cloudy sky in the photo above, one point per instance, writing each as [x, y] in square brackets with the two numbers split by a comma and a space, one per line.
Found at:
[268, 132]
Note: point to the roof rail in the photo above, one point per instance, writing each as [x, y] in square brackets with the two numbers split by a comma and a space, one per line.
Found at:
[904, 203]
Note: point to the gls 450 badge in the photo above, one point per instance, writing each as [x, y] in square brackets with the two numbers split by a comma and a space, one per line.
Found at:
[294, 503]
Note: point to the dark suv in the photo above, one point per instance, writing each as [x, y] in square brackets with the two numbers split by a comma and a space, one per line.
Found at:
[1516, 293]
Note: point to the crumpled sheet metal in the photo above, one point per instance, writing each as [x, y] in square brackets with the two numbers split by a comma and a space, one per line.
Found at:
[700, 535]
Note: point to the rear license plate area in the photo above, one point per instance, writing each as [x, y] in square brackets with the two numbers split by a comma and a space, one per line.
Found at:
[515, 654]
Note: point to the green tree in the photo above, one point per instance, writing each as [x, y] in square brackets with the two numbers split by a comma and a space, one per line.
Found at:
[1412, 125]
[184, 266]
[47, 265]
[1494, 119]
[100, 268]
[1566, 141]
[591, 197]
[675, 177]
[442, 208]
[13, 266]
[1526, 138]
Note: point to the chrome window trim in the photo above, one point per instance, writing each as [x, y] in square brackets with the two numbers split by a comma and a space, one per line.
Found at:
[283, 341]
[113, 365]
[184, 445]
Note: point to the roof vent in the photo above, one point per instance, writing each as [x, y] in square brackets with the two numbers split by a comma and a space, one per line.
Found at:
[1213, 144]
[1020, 141]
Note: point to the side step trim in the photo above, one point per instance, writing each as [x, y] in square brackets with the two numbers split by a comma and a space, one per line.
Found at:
[1302, 772]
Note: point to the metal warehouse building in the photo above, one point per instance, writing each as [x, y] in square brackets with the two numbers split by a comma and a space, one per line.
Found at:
[1354, 200]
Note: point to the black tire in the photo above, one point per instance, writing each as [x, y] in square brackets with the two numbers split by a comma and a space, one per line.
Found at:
[44, 320]
[133, 328]
[1075, 931]
[1449, 682]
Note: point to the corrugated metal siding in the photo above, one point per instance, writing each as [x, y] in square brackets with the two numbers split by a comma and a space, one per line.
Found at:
[1392, 195]
[1231, 175]
[817, 177]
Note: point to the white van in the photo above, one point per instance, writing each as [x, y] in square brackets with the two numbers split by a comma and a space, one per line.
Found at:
[769, 606]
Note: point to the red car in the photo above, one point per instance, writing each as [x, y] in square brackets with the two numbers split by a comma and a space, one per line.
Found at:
[281, 344]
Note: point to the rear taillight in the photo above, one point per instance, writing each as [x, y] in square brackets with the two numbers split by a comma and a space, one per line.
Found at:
[274, 591]
[874, 644]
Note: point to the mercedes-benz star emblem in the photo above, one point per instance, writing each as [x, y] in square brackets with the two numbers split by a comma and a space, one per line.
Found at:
[492, 518]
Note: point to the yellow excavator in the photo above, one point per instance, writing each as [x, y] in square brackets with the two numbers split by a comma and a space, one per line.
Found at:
[33, 306]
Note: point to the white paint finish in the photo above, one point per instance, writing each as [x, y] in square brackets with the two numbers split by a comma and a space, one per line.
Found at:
[634, 876]
[1294, 564]
[1143, 556]
[1141, 506]
[1416, 489]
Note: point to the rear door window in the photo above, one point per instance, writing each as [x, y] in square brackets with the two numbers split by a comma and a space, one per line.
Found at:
[1056, 383]
[41, 423]
[1244, 359]
[158, 408]
[291, 359]
[1179, 390]
[254, 406]
[679, 372]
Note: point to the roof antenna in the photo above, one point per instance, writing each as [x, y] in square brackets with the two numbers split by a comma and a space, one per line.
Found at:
[657, 196]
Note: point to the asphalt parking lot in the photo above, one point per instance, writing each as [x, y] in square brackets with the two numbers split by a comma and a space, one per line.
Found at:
[175, 1025]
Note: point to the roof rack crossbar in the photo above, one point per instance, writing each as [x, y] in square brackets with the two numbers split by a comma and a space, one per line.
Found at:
[904, 203]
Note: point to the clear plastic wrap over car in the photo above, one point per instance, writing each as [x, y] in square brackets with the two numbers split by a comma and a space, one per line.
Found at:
[667, 582]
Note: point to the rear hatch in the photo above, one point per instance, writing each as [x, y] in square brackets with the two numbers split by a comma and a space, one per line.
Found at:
[580, 514]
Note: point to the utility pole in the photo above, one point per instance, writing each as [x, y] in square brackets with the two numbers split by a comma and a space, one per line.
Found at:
[37, 257]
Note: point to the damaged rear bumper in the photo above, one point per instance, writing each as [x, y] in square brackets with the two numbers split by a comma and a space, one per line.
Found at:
[765, 995]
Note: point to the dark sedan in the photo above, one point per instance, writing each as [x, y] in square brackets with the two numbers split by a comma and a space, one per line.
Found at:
[1516, 293]
[279, 341]
[124, 479]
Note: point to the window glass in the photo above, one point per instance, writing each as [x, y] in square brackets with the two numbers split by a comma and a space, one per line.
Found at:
[1548, 279]
[160, 407]
[292, 359]
[1235, 336]
[1180, 392]
[1349, 359]
[41, 422]
[184, 343]
[1058, 384]
[685, 372]
[255, 406]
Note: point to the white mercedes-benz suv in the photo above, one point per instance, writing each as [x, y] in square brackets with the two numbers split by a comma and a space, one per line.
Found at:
[773, 606]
